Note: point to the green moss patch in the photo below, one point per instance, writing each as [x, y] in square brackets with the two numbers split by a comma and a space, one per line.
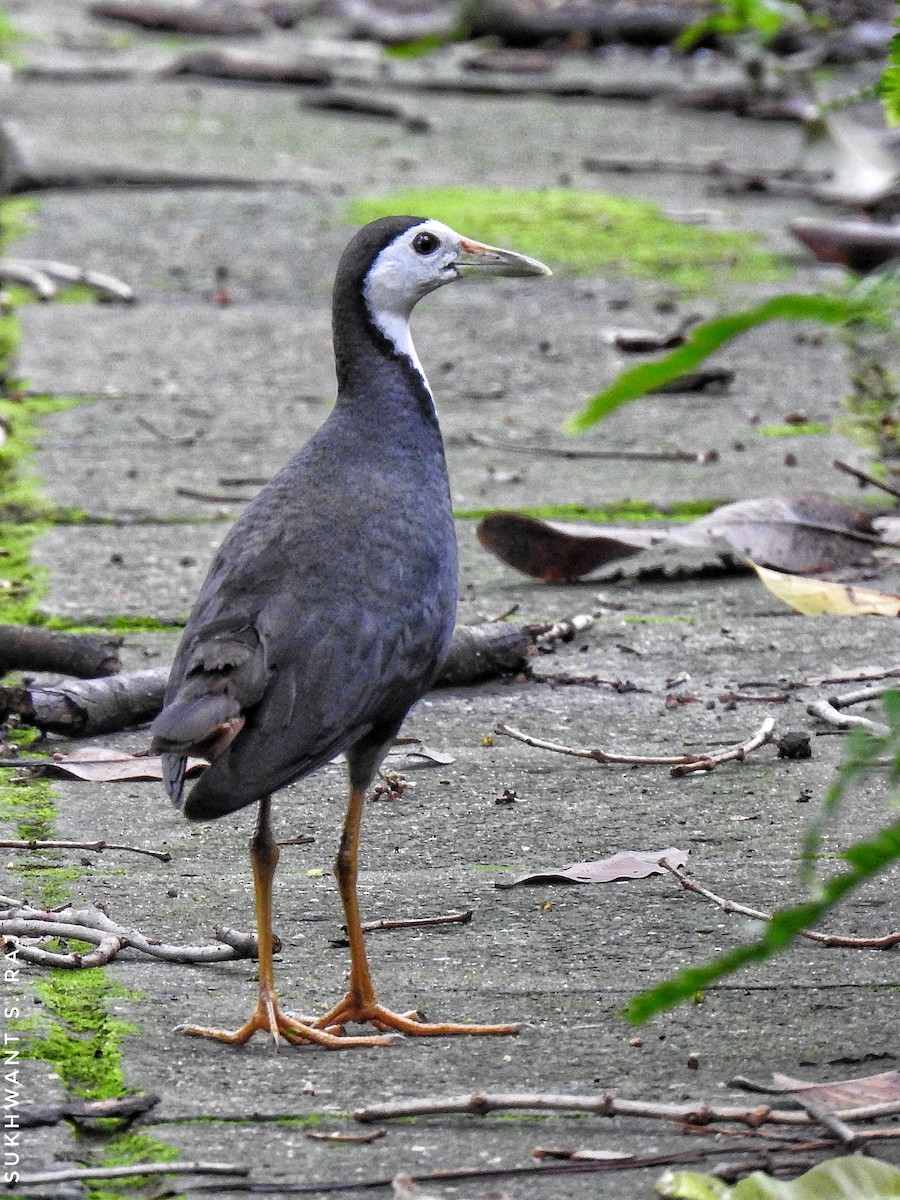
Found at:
[111, 624]
[77, 1034]
[802, 429]
[588, 232]
[74, 1028]
[606, 514]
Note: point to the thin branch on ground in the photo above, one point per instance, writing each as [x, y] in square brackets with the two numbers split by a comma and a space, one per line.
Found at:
[571, 452]
[44, 276]
[97, 847]
[69, 1174]
[125, 1108]
[681, 764]
[608, 1104]
[731, 906]
[460, 918]
[863, 695]
[863, 477]
[846, 1137]
[853, 676]
[20, 923]
[212, 497]
[827, 711]
[562, 679]
[549, 633]
[341, 1135]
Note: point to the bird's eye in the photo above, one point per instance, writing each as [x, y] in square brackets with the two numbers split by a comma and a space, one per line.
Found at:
[425, 243]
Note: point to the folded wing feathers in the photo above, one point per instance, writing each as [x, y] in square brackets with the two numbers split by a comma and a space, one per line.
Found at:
[225, 674]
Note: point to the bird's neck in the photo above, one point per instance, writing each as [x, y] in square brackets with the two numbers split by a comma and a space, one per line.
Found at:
[376, 361]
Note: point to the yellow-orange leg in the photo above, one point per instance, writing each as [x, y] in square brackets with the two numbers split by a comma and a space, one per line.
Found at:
[359, 1004]
[268, 1016]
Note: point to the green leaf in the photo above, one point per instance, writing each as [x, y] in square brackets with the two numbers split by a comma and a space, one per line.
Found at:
[691, 1185]
[889, 88]
[710, 336]
[762, 19]
[850, 1178]
[863, 752]
[865, 858]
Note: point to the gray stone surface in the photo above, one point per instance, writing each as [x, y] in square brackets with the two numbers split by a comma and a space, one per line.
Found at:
[178, 393]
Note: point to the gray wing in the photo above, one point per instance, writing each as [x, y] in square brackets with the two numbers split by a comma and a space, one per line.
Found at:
[296, 649]
[282, 695]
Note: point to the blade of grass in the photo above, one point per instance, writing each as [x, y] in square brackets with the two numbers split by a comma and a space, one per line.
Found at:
[710, 336]
[866, 858]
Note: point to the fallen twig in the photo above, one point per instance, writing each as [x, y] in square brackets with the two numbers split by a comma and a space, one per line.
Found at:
[369, 104]
[608, 1104]
[85, 655]
[826, 939]
[863, 477]
[839, 1130]
[124, 1108]
[827, 710]
[858, 675]
[681, 764]
[862, 695]
[91, 706]
[340, 1135]
[571, 452]
[95, 927]
[67, 1174]
[564, 679]
[460, 918]
[212, 497]
[97, 847]
[566, 630]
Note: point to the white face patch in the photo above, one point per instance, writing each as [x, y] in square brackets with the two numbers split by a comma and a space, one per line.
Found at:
[414, 264]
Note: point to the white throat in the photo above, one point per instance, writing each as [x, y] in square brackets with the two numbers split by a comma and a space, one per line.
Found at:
[395, 328]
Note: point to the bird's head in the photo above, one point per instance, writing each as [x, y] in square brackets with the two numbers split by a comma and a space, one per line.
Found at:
[390, 265]
[426, 254]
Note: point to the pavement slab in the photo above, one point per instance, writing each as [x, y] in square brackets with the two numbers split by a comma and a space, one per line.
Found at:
[181, 406]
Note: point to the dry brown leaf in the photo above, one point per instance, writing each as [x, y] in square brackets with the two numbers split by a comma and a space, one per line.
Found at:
[813, 597]
[860, 245]
[626, 864]
[846, 1093]
[98, 764]
[557, 552]
[802, 534]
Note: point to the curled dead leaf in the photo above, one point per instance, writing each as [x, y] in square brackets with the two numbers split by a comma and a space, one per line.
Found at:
[98, 764]
[800, 534]
[846, 1093]
[626, 864]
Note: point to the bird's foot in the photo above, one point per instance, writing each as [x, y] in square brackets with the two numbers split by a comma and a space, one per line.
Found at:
[412, 1024]
[268, 1018]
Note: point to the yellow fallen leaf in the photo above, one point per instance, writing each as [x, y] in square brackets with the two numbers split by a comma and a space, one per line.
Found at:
[814, 596]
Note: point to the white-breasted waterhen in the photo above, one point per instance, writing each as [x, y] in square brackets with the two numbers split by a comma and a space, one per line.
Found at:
[330, 605]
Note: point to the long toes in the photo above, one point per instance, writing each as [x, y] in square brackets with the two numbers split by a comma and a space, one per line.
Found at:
[298, 1034]
[272, 1020]
[416, 1027]
[236, 1037]
[411, 1023]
